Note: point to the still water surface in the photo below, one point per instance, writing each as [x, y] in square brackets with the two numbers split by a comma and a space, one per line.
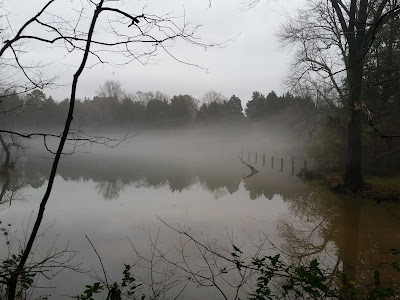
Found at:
[117, 197]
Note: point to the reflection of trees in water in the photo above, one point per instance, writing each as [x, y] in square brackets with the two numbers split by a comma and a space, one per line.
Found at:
[110, 189]
[37, 180]
[218, 182]
[11, 186]
[344, 232]
[218, 177]
[274, 183]
[11, 180]
[347, 234]
[181, 181]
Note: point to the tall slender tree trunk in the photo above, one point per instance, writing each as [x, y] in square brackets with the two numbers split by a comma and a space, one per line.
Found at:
[7, 151]
[12, 281]
[353, 18]
[6, 185]
[353, 174]
[356, 38]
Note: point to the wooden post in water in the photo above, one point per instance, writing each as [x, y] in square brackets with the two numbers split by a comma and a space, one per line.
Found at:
[305, 165]
[248, 157]
[292, 167]
[281, 164]
[256, 159]
[272, 162]
[264, 160]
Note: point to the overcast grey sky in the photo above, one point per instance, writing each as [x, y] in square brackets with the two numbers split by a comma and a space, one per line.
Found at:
[252, 61]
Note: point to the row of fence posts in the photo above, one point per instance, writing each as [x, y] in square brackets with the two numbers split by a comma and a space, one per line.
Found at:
[272, 161]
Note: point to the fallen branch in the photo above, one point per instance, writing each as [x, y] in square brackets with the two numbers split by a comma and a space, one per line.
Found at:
[253, 170]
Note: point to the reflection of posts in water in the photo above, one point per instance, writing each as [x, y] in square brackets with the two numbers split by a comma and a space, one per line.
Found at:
[272, 162]
[305, 165]
[248, 157]
[255, 161]
[241, 154]
[264, 160]
[281, 164]
[292, 167]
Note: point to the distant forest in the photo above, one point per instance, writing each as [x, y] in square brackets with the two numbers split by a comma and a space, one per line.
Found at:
[318, 125]
[112, 107]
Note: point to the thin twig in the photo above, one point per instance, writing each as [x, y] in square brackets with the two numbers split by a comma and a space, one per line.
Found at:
[101, 261]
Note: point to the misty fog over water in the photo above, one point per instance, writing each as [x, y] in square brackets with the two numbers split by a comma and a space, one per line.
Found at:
[194, 179]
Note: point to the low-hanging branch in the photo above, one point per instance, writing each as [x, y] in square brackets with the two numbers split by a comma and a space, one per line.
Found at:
[79, 137]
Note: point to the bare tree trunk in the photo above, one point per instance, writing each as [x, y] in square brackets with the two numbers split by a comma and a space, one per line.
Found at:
[353, 175]
[6, 185]
[13, 280]
[7, 151]
[356, 37]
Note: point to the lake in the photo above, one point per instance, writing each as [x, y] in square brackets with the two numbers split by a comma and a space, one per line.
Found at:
[124, 199]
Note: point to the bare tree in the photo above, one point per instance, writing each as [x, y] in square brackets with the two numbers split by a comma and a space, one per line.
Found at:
[12, 80]
[135, 36]
[332, 40]
[213, 96]
[111, 89]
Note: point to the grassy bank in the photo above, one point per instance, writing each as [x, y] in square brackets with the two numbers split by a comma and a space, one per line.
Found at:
[382, 188]
[377, 188]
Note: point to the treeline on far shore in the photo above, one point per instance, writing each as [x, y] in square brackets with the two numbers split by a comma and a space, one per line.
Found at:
[318, 128]
[112, 108]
